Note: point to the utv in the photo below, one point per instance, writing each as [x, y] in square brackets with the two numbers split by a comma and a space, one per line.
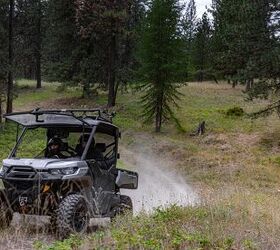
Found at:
[76, 182]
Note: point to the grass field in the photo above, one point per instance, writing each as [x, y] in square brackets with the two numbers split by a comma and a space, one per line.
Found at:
[235, 168]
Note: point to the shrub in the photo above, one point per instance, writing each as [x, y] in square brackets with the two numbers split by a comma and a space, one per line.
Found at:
[236, 111]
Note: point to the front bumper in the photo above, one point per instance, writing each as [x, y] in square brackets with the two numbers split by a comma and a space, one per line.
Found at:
[30, 191]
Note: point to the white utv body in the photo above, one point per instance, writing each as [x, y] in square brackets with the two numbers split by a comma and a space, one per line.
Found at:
[80, 183]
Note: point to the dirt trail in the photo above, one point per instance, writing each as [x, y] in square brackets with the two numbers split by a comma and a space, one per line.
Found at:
[159, 185]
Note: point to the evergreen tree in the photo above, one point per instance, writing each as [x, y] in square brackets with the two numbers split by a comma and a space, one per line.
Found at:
[201, 49]
[28, 37]
[189, 21]
[227, 57]
[3, 40]
[246, 45]
[4, 65]
[189, 25]
[61, 46]
[104, 26]
[160, 58]
[10, 86]
[38, 41]
[241, 38]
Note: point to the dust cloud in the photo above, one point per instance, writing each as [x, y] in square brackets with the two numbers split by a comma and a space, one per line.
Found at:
[159, 185]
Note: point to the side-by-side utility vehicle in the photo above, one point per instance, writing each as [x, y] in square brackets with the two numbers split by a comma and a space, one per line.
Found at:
[64, 165]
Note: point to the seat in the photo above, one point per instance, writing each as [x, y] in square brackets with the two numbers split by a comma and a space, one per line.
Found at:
[98, 151]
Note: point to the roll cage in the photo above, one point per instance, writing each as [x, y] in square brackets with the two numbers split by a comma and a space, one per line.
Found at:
[86, 120]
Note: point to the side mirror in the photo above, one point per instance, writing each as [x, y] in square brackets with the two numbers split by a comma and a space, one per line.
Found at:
[127, 179]
[118, 156]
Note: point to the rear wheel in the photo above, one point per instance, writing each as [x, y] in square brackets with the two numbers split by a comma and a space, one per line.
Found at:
[125, 207]
[6, 215]
[73, 216]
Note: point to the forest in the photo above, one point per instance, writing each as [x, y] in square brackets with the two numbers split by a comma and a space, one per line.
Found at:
[107, 46]
[195, 96]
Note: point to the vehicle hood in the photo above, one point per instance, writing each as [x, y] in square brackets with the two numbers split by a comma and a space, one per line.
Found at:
[45, 163]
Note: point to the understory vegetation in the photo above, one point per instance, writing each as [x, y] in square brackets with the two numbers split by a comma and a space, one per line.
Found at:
[234, 167]
[161, 64]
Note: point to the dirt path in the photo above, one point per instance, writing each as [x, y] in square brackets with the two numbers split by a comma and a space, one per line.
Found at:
[159, 184]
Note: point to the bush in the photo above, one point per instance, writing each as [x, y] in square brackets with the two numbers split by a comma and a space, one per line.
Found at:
[61, 88]
[236, 111]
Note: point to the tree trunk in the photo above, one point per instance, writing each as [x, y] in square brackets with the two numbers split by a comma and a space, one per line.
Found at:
[112, 72]
[11, 59]
[234, 83]
[1, 102]
[38, 46]
[159, 114]
[116, 92]
[158, 120]
[249, 84]
[86, 90]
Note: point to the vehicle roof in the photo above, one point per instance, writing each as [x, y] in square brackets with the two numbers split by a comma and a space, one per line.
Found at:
[67, 118]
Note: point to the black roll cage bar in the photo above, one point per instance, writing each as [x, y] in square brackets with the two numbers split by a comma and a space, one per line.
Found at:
[101, 115]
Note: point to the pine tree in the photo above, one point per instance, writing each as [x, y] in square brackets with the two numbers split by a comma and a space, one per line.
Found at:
[160, 57]
[227, 59]
[241, 38]
[61, 47]
[3, 40]
[189, 21]
[189, 25]
[201, 49]
[246, 44]
[4, 65]
[104, 25]
[28, 37]
[38, 41]
[10, 86]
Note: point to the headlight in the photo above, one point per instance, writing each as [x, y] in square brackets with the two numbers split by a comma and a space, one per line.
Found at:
[68, 171]
[63, 171]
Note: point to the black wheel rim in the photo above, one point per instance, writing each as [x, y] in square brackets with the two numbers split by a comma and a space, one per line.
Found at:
[80, 218]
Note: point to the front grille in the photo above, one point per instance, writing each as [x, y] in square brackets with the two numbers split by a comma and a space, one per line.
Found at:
[21, 172]
[22, 185]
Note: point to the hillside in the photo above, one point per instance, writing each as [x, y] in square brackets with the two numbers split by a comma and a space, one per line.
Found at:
[233, 171]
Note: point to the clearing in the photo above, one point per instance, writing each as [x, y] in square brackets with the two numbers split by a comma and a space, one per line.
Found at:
[229, 177]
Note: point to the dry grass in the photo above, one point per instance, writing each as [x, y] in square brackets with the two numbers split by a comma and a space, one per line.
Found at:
[235, 167]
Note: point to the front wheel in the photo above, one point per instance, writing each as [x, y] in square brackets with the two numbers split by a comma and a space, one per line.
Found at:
[73, 216]
[53, 223]
[125, 207]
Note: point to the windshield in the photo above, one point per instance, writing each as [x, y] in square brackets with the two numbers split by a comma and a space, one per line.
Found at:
[49, 143]
[64, 143]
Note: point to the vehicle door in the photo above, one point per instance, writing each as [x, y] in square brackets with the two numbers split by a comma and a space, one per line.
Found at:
[102, 163]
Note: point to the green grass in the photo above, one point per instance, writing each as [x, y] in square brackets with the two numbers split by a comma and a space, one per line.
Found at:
[204, 227]
[31, 97]
[235, 168]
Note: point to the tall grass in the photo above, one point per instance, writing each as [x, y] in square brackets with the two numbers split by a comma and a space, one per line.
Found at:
[235, 168]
